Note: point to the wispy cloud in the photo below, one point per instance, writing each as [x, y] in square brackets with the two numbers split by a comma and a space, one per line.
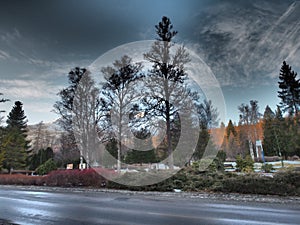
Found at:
[31, 89]
[10, 36]
[4, 55]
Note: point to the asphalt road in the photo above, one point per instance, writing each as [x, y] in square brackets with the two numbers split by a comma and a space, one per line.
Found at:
[54, 207]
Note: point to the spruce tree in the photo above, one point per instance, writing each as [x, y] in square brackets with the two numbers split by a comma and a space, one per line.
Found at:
[230, 130]
[16, 119]
[289, 92]
[230, 143]
[15, 147]
[281, 134]
[14, 142]
[269, 140]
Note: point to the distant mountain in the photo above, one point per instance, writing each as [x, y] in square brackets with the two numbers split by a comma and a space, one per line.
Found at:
[245, 42]
[45, 135]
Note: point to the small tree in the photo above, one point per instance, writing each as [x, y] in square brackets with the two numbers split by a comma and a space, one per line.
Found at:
[249, 117]
[231, 142]
[69, 152]
[41, 157]
[282, 138]
[110, 156]
[244, 165]
[145, 155]
[267, 168]
[270, 146]
[208, 117]
[289, 92]
[230, 130]
[46, 167]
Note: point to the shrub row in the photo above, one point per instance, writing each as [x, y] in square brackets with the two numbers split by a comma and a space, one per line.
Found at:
[189, 179]
[286, 183]
[19, 179]
[59, 178]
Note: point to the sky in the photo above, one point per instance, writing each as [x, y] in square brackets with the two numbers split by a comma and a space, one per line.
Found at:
[243, 42]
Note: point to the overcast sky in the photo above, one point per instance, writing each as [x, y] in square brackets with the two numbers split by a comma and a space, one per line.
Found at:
[243, 42]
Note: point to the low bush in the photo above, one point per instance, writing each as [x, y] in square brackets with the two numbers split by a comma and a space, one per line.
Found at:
[245, 165]
[190, 179]
[74, 178]
[281, 184]
[267, 168]
[19, 179]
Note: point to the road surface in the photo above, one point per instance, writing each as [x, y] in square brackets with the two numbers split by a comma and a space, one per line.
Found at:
[24, 207]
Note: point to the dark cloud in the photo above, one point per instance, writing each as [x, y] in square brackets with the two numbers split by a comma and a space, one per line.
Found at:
[244, 42]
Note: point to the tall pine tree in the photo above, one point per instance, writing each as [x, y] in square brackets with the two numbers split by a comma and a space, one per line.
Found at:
[289, 92]
[166, 80]
[14, 142]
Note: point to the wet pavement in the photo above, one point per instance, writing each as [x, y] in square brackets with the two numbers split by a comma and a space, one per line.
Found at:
[42, 205]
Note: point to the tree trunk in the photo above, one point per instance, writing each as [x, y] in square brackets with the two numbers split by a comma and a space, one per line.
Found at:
[120, 144]
[169, 141]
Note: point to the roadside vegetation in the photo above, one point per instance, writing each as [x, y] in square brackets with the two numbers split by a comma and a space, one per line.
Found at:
[86, 118]
[189, 179]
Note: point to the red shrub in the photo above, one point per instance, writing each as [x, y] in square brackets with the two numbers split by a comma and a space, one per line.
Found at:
[74, 178]
[19, 179]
